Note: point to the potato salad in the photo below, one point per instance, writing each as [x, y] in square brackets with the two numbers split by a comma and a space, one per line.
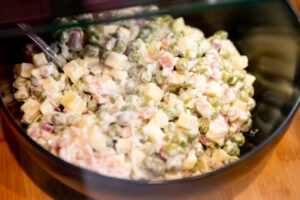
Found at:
[142, 99]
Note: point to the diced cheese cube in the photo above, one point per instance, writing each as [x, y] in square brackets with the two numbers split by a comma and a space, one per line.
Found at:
[229, 47]
[187, 121]
[75, 69]
[203, 163]
[73, 103]
[91, 61]
[123, 145]
[46, 107]
[186, 43]
[178, 25]
[116, 60]
[176, 78]
[23, 70]
[154, 49]
[190, 161]
[107, 29]
[96, 138]
[155, 134]
[160, 119]
[153, 92]
[239, 62]
[39, 59]
[31, 109]
[219, 157]
[193, 33]
[249, 79]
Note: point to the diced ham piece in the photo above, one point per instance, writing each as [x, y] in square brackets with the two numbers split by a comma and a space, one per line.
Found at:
[47, 127]
[166, 60]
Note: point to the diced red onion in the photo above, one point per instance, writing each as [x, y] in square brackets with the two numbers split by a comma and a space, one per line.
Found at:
[47, 127]
[216, 46]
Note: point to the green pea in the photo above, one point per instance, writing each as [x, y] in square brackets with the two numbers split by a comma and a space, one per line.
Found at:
[41, 97]
[155, 165]
[64, 37]
[232, 148]
[214, 102]
[224, 109]
[172, 149]
[228, 78]
[174, 163]
[142, 134]
[244, 95]
[186, 97]
[202, 69]
[130, 86]
[190, 82]
[91, 50]
[191, 134]
[198, 149]
[133, 99]
[250, 90]
[174, 49]
[170, 127]
[195, 69]
[146, 76]
[150, 149]
[144, 33]
[56, 76]
[168, 110]
[114, 131]
[19, 82]
[203, 125]
[72, 119]
[92, 105]
[58, 119]
[21, 94]
[182, 65]
[233, 159]
[120, 46]
[221, 34]
[239, 138]
[180, 139]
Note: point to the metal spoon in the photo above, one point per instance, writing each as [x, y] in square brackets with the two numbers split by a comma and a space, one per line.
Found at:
[41, 44]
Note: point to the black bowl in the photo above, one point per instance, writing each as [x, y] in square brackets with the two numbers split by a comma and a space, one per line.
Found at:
[266, 31]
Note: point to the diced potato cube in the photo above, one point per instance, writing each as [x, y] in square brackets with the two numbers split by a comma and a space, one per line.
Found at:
[107, 29]
[176, 78]
[124, 145]
[160, 119]
[203, 163]
[241, 105]
[73, 103]
[123, 33]
[190, 161]
[23, 70]
[200, 82]
[96, 138]
[229, 47]
[39, 59]
[187, 121]
[91, 61]
[217, 131]
[46, 107]
[86, 121]
[193, 33]
[31, 109]
[186, 43]
[75, 69]
[153, 92]
[119, 75]
[219, 156]
[214, 89]
[50, 86]
[249, 79]
[154, 49]
[116, 60]
[178, 25]
[239, 62]
[155, 134]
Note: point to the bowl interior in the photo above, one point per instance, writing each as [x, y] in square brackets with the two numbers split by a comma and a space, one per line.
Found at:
[267, 32]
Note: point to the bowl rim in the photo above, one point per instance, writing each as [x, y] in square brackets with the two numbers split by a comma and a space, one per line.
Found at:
[90, 173]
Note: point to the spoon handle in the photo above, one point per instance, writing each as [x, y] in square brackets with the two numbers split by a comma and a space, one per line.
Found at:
[41, 44]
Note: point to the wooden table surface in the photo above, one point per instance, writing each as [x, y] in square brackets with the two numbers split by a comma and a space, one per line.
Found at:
[22, 178]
